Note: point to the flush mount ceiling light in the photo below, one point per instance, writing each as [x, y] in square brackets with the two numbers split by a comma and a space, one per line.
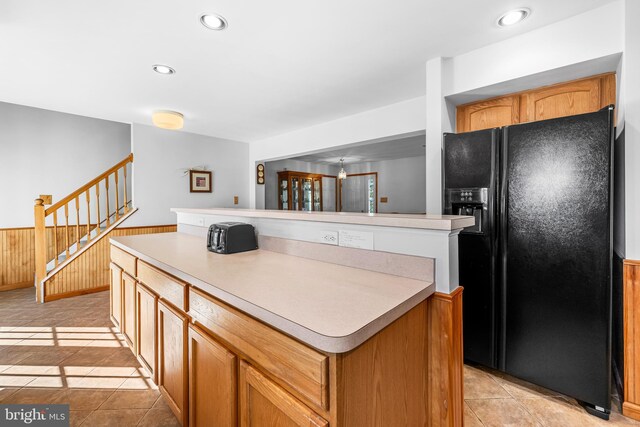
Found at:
[213, 21]
[163, 69]
[343, 173]
[513, 17]
[168, 119]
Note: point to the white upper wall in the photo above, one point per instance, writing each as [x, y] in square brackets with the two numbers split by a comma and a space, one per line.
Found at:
[631, 98]
[47, 152]
[392, 120]
[593, 34]
[161, 158]
[562, 46]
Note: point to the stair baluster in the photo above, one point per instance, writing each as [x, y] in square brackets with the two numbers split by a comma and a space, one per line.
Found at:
[84, 237]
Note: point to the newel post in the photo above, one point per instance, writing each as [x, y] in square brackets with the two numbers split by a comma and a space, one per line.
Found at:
[40, 247]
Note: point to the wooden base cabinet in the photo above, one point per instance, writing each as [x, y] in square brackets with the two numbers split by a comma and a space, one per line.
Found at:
[129, 310]
[115, 294]
[146, 329]
[263, 403]
[217, 366]
[212, 382]
[172, 359]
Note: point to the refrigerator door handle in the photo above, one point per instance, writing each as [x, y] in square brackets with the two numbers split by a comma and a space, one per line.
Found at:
[502, 242]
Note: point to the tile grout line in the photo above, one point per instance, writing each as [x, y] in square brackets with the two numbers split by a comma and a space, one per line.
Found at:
[474, 413]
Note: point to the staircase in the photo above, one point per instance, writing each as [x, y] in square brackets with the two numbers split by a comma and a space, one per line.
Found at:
[69, 227]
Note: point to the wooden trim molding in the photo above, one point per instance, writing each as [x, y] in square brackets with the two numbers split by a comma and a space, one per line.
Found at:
[631, 334]
[446, 393]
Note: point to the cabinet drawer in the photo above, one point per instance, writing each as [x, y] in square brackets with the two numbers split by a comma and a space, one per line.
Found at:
[124, 260]
[305, 370]
[165, 286]
[264, 403]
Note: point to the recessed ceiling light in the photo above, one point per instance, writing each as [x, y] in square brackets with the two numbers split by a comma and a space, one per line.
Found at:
[168, 119]
[513, 17]
[163, 69]
[213, 21]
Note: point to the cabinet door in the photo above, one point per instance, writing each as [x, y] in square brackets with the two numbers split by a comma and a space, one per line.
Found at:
[578, 97]
[172, 359]
[488, 114]
[295, 193]
[317, 194]
[128, 325]
[115, 293]
[146, 312]
[264, 404]
[284, 194]
[212, 382]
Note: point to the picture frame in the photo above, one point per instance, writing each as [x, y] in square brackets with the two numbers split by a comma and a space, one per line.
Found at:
[200, 181]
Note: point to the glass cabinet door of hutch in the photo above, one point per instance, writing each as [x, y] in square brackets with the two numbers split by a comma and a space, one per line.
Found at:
[317, 194]
[299, 191]
[284, 194]
[307, 194]
[295, 194]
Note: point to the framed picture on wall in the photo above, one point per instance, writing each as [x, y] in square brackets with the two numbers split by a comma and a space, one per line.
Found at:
[200, 181]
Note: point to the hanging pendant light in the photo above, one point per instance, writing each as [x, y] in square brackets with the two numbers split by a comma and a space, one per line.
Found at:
[343, 173]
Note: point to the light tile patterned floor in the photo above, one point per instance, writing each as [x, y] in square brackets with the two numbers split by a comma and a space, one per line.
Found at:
[496, 399]
[68, 351]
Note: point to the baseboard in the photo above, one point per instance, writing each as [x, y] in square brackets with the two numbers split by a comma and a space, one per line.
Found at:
[631, 410]
[49, 298]
[18, 285]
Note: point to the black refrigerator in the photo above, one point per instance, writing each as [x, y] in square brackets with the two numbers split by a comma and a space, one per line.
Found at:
[546, 303]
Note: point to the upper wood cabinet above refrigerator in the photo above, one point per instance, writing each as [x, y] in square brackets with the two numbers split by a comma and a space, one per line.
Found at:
[564, 99]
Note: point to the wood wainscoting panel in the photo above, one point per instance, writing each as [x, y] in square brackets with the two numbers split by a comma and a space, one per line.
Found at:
[631, 333]
[90, 270]
[17, 254]
[384, 381]
[446, 394]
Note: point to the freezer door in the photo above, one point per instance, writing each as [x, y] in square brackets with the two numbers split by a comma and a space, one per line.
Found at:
[469, 159]
[470, 169]
[556, 254]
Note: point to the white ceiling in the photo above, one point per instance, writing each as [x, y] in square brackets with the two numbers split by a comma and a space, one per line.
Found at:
[388, 150]
[280, 66]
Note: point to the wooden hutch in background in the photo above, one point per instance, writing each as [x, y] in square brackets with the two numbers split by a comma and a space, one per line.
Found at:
[299, 191]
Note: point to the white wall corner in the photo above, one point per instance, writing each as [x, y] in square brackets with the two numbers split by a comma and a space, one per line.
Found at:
[439, 118]
[631, 96]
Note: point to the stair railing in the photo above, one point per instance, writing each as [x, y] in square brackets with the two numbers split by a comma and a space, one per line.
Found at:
[47, 243]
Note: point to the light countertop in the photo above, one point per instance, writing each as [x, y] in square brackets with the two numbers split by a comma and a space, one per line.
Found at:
[422, 221]
[327, 306]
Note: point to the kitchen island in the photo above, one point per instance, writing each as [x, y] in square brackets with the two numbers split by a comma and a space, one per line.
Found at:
[341, 336]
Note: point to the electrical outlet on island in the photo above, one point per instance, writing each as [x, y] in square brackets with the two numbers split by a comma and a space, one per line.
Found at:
[235, 200]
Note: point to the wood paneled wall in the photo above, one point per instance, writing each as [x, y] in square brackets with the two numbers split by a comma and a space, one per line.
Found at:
[17, 262]
[631, 315]
[446, 359]
[90, 271]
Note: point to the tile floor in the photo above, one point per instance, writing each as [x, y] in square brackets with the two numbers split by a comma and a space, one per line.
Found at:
[68, 351]
[495, 399]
